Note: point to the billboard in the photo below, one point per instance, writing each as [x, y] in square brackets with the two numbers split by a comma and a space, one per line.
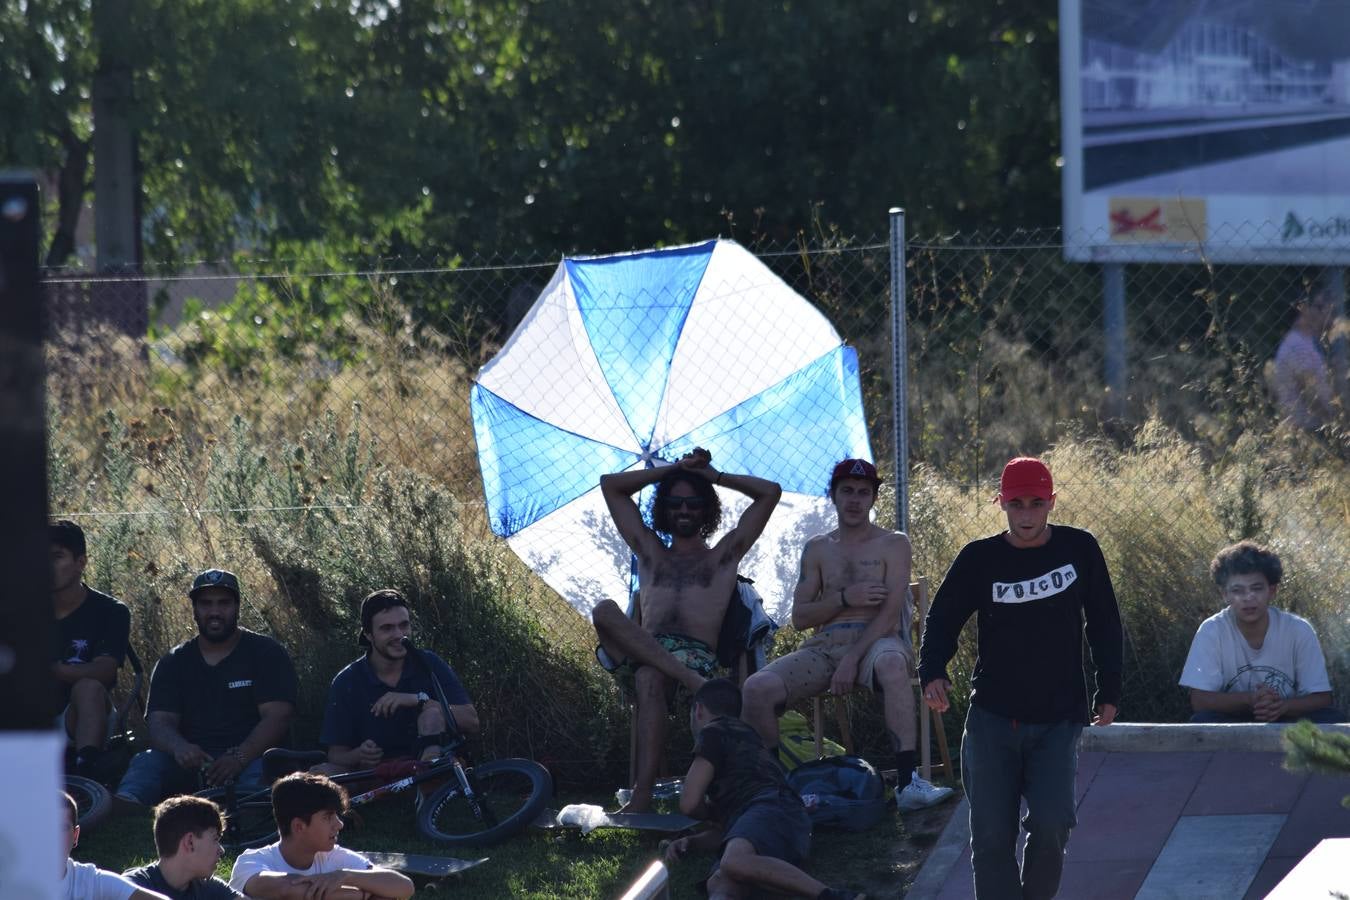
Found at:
[1214, 128]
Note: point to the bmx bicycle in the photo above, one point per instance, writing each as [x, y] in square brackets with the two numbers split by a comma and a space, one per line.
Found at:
[478, 804]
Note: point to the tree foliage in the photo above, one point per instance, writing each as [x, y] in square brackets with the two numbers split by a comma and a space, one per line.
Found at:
[554, 124]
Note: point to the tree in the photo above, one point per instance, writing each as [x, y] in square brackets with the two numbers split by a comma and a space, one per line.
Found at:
[550, 125]
[46, 72]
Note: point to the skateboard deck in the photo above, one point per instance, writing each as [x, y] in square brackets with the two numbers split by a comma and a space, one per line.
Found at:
[665, 823]
[418, 864]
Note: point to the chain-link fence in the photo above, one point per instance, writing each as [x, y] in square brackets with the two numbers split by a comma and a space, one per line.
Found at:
[308, 425]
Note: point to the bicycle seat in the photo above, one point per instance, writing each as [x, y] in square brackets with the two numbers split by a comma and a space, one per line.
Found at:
[280, 761]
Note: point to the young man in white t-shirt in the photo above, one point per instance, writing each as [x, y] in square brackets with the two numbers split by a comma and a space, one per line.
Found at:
[86, 881]
[1251, 662]
[307, 861]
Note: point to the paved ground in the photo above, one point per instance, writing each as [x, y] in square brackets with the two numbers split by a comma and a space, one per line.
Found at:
[1174, 811]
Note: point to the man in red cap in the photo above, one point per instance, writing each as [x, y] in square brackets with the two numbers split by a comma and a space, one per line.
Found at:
[854, 591]
[1031, 586]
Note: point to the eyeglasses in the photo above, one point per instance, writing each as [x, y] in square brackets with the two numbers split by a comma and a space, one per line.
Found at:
[694, 503]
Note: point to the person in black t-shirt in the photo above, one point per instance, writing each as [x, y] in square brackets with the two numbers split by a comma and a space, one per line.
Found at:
[187, 837]
[216, 701]
[1033, 587]
[92, 629]
[384, 706]
[760, 823]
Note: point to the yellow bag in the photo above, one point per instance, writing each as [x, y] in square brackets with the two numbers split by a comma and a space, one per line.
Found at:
[797, 741]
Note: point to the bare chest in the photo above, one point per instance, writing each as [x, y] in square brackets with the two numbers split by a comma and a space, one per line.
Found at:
[685, 594]
[854, 565]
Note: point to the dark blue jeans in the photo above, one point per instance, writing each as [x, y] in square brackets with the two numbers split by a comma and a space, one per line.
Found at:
[1002, 761]
[153, 775]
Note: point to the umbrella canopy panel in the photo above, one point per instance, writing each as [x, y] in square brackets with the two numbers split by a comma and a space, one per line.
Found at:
[632, 360]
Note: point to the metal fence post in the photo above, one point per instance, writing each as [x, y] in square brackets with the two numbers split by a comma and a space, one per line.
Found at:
[1333, 280]
[899, 370]
[1113, 327]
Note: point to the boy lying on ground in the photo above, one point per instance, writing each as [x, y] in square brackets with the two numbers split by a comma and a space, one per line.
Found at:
[762, 828]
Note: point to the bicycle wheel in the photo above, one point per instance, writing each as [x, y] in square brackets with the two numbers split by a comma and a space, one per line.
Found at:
[92, 799]
[508, 795]
[249, 821]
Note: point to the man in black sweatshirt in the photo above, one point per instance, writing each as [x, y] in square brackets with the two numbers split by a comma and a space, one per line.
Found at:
[1032, 586]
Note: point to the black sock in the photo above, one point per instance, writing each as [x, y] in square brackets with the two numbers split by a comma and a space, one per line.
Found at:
[904, 765]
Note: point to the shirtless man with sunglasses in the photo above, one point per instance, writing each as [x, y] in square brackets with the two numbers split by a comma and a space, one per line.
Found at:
[685, 589]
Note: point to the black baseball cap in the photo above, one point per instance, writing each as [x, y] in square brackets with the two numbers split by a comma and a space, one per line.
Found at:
[215, 578]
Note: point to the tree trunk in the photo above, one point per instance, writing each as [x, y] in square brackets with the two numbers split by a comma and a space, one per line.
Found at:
[71, 183]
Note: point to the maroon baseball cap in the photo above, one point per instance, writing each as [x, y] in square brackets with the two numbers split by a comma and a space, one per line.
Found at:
[854, 468]
[1025, 476]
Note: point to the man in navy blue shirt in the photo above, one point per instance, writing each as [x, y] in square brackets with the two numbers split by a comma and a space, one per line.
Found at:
[383, 706]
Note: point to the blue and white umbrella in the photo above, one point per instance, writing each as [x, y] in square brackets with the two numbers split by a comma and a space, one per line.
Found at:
[634, 359]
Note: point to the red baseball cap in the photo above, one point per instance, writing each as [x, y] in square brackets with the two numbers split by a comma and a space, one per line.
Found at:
[854, 468]
[1025, 476]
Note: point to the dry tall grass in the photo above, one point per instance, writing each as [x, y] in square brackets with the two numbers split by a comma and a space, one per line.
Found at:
[317, 479]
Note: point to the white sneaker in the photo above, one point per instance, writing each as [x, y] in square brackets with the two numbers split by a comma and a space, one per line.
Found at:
[920, 794]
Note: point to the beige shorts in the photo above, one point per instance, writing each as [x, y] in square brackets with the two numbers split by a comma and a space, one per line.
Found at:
[807, 670]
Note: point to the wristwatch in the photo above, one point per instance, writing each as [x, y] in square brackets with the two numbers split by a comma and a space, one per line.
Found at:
[422, 699]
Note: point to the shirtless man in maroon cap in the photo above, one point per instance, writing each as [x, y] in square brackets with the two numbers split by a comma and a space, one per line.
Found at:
[854, 591]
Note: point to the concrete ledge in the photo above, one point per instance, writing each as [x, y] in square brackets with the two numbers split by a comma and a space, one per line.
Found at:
[946, 853]
[1132, 737]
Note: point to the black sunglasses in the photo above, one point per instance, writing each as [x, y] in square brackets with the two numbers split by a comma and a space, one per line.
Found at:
[686, 502]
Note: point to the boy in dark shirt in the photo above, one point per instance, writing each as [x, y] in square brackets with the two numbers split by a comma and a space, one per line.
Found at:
[187, 837]
[760, 823]
[92, 629]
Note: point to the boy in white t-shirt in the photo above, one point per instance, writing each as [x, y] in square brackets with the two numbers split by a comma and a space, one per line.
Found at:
[1251, 662]
[307, 861]
[86, 881]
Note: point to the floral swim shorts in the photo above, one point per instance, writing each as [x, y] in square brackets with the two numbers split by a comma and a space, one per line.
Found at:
[693, 653]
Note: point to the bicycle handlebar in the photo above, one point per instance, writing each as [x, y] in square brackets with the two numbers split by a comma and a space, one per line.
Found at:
[416, 655]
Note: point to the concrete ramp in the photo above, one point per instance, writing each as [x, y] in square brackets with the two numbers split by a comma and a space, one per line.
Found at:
[1191, 812]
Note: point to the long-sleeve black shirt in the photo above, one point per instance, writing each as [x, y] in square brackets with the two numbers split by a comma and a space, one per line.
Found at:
[1031, 604]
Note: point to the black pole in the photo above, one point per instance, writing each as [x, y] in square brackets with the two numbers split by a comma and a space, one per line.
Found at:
[27, 626]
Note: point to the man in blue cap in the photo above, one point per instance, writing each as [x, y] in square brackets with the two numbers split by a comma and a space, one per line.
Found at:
[217, 701]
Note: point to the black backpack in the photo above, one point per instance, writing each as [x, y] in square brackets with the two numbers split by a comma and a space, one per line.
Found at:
[840, 792]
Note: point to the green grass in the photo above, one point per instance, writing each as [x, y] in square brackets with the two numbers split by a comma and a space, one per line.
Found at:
[562, 865]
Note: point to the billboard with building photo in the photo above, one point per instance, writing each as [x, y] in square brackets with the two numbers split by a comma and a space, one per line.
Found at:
[1206, 127]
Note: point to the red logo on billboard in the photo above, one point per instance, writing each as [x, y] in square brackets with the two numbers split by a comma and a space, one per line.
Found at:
[1122, 222]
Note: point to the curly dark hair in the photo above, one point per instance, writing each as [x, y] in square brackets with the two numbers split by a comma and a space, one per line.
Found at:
[1246, 558]
[712, 504]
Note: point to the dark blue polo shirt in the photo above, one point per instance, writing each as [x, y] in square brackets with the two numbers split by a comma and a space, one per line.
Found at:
[348, 721]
